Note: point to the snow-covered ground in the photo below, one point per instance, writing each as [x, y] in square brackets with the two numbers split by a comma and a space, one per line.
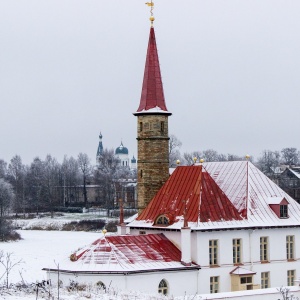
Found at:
[40, 249]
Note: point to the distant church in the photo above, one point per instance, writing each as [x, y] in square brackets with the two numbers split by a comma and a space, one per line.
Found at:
[121, 153]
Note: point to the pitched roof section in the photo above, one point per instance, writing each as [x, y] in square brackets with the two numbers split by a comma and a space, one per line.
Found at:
[127, 252]
[233, 195]
[192, 185]
[152, 98]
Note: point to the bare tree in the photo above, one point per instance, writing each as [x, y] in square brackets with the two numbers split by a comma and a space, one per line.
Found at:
[3, 168]
[6, 201]
[16, 174]
[108, 169]
[174, 150]
[210, 155]
[51, 177]
[285, 294]
[268, 161]
[290, 156]
[8, 263]
[85, 167]
[189, 158]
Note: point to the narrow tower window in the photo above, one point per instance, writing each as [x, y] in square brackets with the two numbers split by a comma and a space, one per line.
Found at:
[141, 126]
[141, 173]
[162, 127]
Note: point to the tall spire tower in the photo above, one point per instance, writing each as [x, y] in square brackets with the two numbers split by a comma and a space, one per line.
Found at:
[152, 128]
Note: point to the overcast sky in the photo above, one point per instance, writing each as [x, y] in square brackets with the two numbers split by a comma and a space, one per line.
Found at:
[72, 68]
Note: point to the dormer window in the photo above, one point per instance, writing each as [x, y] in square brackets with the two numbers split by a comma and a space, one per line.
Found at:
[280, 206]
[283, 211]
[162, 220]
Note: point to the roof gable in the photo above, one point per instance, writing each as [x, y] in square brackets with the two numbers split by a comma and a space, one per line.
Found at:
[192, 189]
[233, 195]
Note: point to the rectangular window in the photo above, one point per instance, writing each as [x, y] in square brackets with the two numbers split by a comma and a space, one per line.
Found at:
[264, 249]
[283, 211]
[289, 247]
[291, 274]
[245, 280]
[141, 126]
[237, 251]
[265, 280]
[214, 284]
[213, 252]
[162, 127]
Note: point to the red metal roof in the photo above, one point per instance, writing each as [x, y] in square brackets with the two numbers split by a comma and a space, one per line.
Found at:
[192, 185]
[152, 92]
[127, 250]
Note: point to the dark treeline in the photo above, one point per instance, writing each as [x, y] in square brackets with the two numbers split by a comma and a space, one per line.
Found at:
[47, 185]
[267, 162]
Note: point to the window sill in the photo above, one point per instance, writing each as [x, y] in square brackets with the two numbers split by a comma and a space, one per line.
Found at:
[264, 262]
[214, 266]
[291, 259]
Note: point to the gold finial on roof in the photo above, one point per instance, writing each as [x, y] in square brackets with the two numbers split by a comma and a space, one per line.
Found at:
[151, 4]
[247, 156]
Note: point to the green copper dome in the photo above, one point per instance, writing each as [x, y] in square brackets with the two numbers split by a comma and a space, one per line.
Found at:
[121, 149]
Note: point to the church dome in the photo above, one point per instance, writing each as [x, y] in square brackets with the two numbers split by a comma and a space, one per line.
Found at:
[133, 160]
[121, 149]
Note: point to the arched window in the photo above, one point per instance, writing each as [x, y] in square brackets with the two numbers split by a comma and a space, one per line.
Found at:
[163, 287]
[162, 220]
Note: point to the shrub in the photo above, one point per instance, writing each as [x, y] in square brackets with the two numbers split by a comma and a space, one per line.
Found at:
[84, 225]
[112, 226]
[68, 209]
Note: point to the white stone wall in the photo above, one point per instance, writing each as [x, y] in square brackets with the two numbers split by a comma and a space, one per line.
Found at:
[179, 283]
[277, 266]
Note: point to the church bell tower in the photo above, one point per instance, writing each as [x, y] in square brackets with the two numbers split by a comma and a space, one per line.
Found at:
[152, 128]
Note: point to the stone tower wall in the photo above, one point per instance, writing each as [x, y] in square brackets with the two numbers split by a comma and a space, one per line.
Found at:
[153, 156]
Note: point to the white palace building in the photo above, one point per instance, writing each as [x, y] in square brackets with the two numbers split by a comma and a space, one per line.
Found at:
[208, 228]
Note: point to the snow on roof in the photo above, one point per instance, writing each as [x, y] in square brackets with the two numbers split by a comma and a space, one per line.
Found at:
[127, 253]
[152, 110]
[241, 271]
[218, 195]
[295, 171]
[276, 200]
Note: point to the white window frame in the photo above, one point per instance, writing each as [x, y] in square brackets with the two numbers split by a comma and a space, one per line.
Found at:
[214, 284]
[265, 280]
[213, 252]
[237, 251]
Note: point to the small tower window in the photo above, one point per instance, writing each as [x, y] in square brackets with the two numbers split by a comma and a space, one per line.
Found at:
[141, 126]
[162, 220]
[163, 287]
[141, 173]
[162, 127]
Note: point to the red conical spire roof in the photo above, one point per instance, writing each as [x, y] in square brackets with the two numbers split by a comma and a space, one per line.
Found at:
[152, 98]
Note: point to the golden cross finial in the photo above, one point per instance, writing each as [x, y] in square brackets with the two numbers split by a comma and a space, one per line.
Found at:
[151, 4]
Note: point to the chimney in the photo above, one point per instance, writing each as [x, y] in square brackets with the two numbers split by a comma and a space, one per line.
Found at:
[121, 228]
[186, 248]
